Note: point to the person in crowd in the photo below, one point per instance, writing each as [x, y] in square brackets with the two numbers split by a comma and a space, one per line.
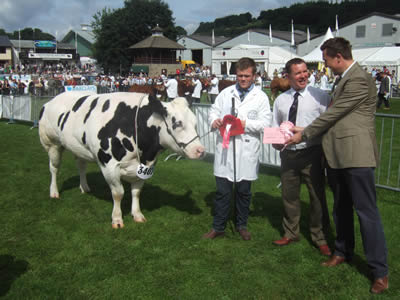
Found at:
[213, 92]
[311, 79]
[197, 89]
[251, 106]
[324, 81]
[172, 87]
[301, 104]
[349, 144]
[384, 91]
[258, 81]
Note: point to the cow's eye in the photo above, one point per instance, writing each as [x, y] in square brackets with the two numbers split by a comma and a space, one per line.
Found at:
[177, 124]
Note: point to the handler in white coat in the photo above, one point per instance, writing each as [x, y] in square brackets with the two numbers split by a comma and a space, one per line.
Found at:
[254, 112]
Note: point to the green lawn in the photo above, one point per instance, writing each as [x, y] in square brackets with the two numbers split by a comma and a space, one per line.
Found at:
[66, 248]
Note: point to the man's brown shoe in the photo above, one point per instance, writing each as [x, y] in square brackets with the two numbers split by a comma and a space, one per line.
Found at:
[246, 236]
[324, 250]
[334, 261]
[284, 241]
[380, 285]
[212, 234]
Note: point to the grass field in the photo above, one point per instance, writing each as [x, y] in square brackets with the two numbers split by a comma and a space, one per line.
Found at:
[66, 248]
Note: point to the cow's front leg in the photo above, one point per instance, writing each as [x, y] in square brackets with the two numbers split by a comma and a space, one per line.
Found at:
[137, 215]
[112, 177]
[84, 187]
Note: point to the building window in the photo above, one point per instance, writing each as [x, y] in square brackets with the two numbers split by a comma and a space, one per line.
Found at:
[360, 31]
[387, 29]
[3, 50]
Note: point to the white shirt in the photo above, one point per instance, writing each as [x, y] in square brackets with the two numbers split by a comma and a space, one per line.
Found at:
[197, 88]
[172, 88]
[311, 103]
[324, 82]
[312, 80]
[255, 110]
[214, 86]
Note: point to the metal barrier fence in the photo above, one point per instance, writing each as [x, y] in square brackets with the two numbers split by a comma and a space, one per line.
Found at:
[27, 107]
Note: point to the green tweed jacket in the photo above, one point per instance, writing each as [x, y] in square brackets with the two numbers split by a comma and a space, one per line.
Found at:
[348, 126]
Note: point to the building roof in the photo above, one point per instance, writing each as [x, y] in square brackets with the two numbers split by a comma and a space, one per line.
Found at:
[157, 42]
[85, 34]
[29, 44]
[207, 39]
[5, 41]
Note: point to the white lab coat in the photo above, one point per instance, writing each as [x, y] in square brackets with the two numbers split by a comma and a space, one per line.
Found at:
[214, 86]
[256, 111]
[197, 88]
[172, 88]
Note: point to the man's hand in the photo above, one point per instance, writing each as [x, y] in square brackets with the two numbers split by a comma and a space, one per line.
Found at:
[217, 124]
[295, 139]
[296, 129]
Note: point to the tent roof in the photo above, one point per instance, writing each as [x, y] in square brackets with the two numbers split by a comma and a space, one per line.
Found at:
[316, 54]
[385, 56]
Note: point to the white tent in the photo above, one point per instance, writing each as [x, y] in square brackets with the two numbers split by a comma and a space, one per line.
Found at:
[384, 56]
[270, 57]
[316, 54]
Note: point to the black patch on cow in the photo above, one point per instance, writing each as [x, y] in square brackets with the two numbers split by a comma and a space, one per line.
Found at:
[103, 157]
[78, 103]
[64, 121]
[41, 113]
[104, 144]
[92, 106]
[117, 150]
[127, 144]
[59, 119]
[84, 138]
[106, 106]
[124, 121]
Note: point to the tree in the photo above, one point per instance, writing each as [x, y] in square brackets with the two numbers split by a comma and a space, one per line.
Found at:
[116, 30]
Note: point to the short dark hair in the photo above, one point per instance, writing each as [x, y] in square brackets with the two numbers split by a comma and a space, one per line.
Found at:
[293, 61]
[337, 45]
[245, 63]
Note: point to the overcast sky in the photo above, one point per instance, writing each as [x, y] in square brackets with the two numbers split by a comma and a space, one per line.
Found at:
[63, 15]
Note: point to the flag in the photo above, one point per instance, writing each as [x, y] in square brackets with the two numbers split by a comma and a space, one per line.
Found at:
[248, 35]
[292, 42]
[212, 38]
[337, 26]
[76, 42]
[270, 34]
[308, 35]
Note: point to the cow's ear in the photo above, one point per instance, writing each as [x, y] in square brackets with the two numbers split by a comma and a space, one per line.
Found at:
[156, 106]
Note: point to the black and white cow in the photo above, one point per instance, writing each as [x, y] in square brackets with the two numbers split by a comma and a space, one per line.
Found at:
[102, 128]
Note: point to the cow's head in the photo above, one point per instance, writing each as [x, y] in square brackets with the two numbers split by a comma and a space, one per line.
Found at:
[178, 130]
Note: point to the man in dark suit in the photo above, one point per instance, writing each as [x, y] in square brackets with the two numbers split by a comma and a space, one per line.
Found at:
[384, 91]
[349, 144]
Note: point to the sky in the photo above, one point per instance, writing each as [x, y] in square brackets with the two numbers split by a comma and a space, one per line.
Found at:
[57, 17]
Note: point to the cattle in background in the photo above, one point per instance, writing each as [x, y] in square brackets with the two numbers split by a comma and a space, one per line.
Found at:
[185, 87]
[102, 129]
[279, 85]
[223, 83]
[157, 90]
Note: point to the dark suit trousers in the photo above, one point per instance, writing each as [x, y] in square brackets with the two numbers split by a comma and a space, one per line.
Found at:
[223, 200]
[297, 166]
[355, 187]
[382, 98]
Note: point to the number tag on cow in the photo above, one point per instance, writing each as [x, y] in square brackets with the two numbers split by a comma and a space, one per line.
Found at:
[144, 172]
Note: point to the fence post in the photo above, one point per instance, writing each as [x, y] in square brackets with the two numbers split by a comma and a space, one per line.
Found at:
[11, 121]
[34, 108]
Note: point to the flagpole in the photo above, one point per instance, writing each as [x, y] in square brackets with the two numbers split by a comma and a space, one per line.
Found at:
[270, 34]
[308, 35]
[337, 26]
[292, 41]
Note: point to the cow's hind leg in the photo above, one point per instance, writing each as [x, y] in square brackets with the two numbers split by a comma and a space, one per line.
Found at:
[137, 215]
[55, 154]
[82, 175]
[112, 177]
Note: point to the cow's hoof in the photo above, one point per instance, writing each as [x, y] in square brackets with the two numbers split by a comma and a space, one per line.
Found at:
[117, 225]
[55, 196]
[84, 189]
[140, 219]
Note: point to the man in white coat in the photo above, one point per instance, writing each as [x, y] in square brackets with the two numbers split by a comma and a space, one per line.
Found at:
[172, 88]
[253, 110]
[197, 89]
[213, 92]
